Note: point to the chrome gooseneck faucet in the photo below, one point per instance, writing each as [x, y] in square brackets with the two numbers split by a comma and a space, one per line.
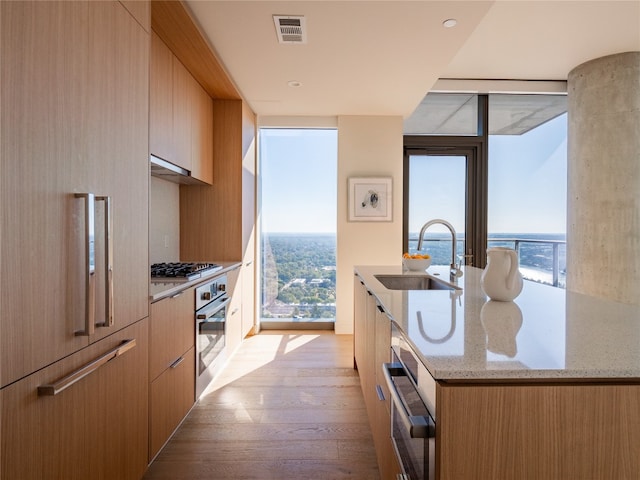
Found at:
[454, 268]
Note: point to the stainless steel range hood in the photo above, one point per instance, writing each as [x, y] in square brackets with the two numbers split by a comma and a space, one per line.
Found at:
[173, 173]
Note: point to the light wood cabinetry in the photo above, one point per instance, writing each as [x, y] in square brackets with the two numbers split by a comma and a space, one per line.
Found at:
[96, 428]
[233, 331]
[201, 133]
[181, 114]
[171, 397]
[538, 431]
[161, 100]
[172, 366]
[231, 237]
[172, 330]
[248, 296]
[372, 348]
[74, 120]
[74, 97]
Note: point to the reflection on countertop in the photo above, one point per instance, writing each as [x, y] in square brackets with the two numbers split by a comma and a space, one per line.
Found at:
[545, 333]
[158, 291]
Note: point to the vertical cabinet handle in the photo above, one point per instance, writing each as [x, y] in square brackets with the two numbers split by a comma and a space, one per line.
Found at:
[108, 263]
[90, 264]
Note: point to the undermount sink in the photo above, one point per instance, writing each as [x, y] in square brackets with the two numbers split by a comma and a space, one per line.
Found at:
[414, 282]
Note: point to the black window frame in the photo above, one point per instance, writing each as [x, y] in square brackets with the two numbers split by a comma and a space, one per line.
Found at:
[475, 148]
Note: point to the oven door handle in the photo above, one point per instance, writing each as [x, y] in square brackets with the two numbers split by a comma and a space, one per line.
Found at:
[208, 311]
[418, 426]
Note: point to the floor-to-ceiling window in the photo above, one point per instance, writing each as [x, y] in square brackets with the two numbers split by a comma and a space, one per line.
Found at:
[527, 207]
[297, 209]
[515, 190]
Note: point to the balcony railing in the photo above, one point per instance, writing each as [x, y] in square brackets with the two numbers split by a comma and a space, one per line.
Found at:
[543, 257]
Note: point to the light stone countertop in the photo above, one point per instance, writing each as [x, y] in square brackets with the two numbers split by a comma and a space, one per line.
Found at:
[160, 290]
[466, 337]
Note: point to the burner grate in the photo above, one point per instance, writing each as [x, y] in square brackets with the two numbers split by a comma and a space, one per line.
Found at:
[181, 271]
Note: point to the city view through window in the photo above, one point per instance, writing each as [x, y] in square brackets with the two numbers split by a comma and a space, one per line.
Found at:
[298, 172]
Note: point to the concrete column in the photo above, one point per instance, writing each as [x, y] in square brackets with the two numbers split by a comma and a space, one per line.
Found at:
[603, 205]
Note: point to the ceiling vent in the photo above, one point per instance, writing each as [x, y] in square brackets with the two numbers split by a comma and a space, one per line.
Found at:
[290, 28]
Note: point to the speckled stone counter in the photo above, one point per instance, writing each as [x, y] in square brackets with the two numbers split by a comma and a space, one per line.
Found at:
[158, 291]
[546, 333]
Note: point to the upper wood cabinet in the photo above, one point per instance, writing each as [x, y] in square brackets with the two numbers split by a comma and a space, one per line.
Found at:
[181, 115]
[74, 120]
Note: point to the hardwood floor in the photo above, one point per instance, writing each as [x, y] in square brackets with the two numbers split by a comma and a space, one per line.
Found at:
[288, 405]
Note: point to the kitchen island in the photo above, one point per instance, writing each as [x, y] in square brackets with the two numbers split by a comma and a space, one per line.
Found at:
[544, 387]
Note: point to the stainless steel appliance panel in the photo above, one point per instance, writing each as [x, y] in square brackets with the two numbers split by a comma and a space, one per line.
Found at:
[212, 303]
[413, 426]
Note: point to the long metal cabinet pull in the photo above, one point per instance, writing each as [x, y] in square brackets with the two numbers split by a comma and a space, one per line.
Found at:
[89, 368]
[108, 263]
[90, 264]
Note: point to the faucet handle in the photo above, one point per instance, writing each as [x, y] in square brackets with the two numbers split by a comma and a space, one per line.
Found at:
[465, 260]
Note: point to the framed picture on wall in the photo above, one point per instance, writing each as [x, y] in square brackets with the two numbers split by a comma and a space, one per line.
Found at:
[370, 199]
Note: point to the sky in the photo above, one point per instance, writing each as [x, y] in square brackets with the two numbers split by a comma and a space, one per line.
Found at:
[527, 182]
[299, 176]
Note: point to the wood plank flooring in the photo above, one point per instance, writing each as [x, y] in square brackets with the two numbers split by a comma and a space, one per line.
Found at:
[288, 405]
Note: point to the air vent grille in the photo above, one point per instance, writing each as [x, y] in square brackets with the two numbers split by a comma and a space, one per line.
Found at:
[290, 28]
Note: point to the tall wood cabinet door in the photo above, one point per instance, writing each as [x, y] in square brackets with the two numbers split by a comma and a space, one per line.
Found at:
[183, 86]
[96, 428]
[161, 100]
[43, 99]
[73, 96]
[118, 119]
[201, 134]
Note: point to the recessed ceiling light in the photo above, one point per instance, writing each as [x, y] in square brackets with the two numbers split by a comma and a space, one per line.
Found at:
[450, 23]
[294, 83]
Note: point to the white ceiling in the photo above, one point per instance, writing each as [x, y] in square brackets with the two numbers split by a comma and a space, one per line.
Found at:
[382, 57]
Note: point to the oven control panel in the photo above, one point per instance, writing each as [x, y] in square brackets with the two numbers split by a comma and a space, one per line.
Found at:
[210, 291]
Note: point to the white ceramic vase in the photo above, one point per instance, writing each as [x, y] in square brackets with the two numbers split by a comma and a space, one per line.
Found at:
[501, 280]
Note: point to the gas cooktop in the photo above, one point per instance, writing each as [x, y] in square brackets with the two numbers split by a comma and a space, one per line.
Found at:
[176, 272]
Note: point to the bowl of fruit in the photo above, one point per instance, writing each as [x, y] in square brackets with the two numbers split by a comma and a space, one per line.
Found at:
[416, 262]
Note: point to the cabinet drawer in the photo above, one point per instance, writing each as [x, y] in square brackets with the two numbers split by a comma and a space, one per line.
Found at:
[172, 395]
[172, 330]
[95, 428]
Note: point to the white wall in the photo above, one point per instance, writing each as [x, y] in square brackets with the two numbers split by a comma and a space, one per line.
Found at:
[367, 146]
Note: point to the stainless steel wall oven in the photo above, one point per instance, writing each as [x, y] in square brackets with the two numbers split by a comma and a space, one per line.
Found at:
[413, 426]
[211, 312]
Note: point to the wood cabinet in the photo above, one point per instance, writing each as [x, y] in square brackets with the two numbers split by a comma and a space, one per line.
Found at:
[233, 332]
[372, 348]
[96, 428]
[74, 120]
[172, 366]
[181, 114]
[232, 197]
[74, 96]
[537, 430]
[248, 296]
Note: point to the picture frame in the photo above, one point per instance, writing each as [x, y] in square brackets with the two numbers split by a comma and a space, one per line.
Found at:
[370, 199]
